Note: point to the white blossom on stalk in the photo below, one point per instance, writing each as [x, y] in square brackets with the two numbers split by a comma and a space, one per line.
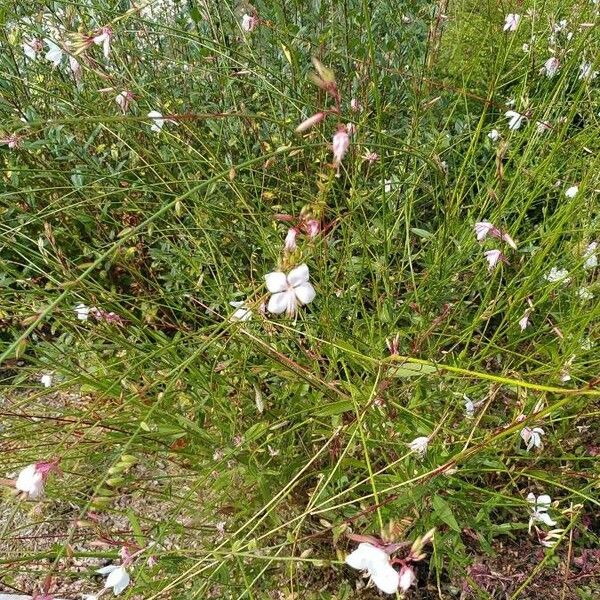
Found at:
[118, 578]
[419, 445]
[532, 437]
[310, 122]
[75, 68]
[572, 191]
[158, 121]
[54, 54]
[591, 258]
[494, 135]
[524, 320]
[585, 294]
[376, 562]
[123, 99]
[493, 257]
[469, 407]
[82, 311]
[31, 478]
[46, 380]
[341, 142]
[586, 72]
[249, 22]
[32, 47]
[289, 244]
[511, 22]
[242, 312]
[104, 38]
[539, 510]
[551, 66]
[556, 274]
[515, 119]
[289, 291]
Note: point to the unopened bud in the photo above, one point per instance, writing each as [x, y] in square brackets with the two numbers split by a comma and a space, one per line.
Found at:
[310, 122]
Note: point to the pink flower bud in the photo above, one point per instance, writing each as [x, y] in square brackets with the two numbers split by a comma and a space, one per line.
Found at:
[310, 122]
[355, 105]
[341, 142]
[290, 240]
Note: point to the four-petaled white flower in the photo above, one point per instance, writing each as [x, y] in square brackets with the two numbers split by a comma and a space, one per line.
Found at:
[494, 135]
[493, 257]
[242, 312]
[377, 564]
[46, 380]
[54, 54]
[572, 191]
[31, 481]
[82, 311]
[556, 274]
[289, 291]
[515, 119]
[104, 38]
[532, 437]
[591, 259]
[419, 445]
[511, 22]
[551, 67]
[539, 510]
[118, 578]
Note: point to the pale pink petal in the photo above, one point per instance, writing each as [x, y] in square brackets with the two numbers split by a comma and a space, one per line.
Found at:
[298, 276]
[281, 302]
[276, 282]
[305, 293]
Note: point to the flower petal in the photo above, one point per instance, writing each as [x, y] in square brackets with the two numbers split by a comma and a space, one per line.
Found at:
[281, 302]
[544, 517]
[107, 570]
[276, 282]
[386, 578]
[305, 293]
[298, 276]
[544, 501]
[359, 559]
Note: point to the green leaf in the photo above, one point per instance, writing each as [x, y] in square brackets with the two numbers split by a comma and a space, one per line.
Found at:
[442, 509]
[413, 370]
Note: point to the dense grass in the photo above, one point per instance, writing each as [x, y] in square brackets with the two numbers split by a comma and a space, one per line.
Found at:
[245, 452]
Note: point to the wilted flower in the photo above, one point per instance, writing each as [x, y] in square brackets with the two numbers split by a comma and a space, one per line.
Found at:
[494, 135]
[376, 562]
[341, 142]
[123, 99]
[515, 119]
[532, 437]
[557, 275]
[242, 313]
[118, 578]
[289, 291]
[493, 257]
[249, 22]
[591, 259]
[419, 445]
[571, 192]
[290, 240]
[310, 122]
[511, 22]
[108, 317]
[539, 508]
[54, 54]
[312, 227]
[46, 380]
[82, 311]
[12, 141]
[104, 37]
[551, 67]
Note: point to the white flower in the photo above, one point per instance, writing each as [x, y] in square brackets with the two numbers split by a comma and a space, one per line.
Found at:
[551, 67]
[123, 99]
[532, 437]
[591, 259]
[585, 294]
[54, 54]
[104, 38]
[515, 119]
[249, 22]
[482, 228]
[493, 257]
[469, 407]
[419, 445]
[557, 275]
[242, 313]
[31, 481]
[494, 135]
[82, 311]
[511, 22]
[31, 48]
[585, 71]
[539, 510]
[289, 291]
[75, 68]
[377, 563]
[407, 577]
[46, 380]
[572, 191]
[118, 578]
[524, 321]
[158, 121]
